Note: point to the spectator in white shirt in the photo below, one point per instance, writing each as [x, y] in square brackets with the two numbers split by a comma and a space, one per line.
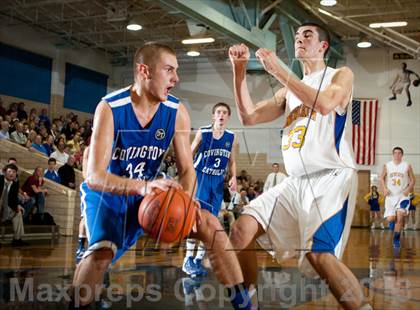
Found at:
[274, 178]
[4, 131]
[60, 155]
[18, 135]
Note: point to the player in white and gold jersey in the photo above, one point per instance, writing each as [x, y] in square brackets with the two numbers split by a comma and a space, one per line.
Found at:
[397, 181]
[310, 212]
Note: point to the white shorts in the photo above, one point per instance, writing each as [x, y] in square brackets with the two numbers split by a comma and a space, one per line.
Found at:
[396, 202]
[307, 214]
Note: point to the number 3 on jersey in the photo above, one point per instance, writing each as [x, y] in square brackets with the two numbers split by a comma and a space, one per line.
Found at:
[138, 171]
[296, 138]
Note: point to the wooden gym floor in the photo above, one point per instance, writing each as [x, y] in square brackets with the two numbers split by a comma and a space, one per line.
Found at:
[36, 276]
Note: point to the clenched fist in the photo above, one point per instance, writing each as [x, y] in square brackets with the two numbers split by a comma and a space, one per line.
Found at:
[239, 54]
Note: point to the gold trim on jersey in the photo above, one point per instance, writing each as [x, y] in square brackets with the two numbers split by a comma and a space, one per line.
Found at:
[299, 111]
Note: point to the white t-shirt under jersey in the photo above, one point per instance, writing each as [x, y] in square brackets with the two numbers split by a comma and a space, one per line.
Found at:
[397, 177]
[321, 144]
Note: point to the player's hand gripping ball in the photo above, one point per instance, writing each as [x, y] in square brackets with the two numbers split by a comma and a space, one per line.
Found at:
[168, 216]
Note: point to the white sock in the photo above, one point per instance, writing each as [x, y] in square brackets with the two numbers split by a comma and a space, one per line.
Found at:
[190, 247]
[366, 307]
[200, 252]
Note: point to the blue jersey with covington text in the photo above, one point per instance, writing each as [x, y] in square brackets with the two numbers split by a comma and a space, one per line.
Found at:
[213, 155]
[137, 152]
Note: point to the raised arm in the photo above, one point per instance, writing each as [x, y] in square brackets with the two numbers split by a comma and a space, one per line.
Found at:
[250, 114]
[182, 149]
[338, 93]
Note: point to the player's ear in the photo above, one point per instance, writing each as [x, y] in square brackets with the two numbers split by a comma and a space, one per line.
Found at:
[324, 45]
[143, 71]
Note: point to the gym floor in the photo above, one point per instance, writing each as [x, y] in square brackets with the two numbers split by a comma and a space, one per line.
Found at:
[38, 277]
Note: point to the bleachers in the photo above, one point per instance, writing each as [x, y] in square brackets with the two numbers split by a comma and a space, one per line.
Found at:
[32, 232]
[62, 202]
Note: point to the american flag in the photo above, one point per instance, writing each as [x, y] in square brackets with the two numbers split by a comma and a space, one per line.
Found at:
[364, 119]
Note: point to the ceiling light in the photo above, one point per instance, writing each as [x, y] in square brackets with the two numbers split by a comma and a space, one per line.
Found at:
[388, 25]
[193, 53]
[328, 2]
[364, 43]
[133, 25]
[324, 12]
[197, 40]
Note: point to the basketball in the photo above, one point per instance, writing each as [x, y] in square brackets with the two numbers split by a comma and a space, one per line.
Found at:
[167, 216]
[416, 82]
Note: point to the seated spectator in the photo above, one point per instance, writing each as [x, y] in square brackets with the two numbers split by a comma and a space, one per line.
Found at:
[25, 128]
[33, 187]
[226, 212]
[21, 113]
[44, 118]
[32, 135]
[243, 176]
[78, 157]
[171, 170]
[38, 146]
[251, 194]
[70, 130]
[51, 172]
[67, 174]
[18, 136]
[74, 143]
[33, 116]
[9, 206]
[12, 126]
[12, 109]
[24, 200]
[54, 130]
[49, 145]
[59, 154]
[4, 131]
[43, 132]
[239, 202]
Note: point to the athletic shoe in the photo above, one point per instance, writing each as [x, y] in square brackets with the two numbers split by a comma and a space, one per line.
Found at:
[189, 285]
[189, 267]
[200, 270]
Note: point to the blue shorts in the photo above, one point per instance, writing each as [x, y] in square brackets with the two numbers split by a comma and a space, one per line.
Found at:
[412, 208]
[374, 205]
[210, 192]
[111, 220]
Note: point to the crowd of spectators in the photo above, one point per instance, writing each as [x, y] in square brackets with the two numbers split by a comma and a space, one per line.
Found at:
[59, 138]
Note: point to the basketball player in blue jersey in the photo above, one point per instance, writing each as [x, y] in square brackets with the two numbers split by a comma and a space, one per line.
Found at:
[310, 212]
[216, 147]
[133, 128]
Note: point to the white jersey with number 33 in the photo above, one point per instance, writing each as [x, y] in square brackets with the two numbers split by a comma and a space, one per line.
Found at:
[322, 142]
[397, 177]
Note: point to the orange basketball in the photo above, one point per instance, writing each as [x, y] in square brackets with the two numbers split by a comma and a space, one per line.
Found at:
[167, 216]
